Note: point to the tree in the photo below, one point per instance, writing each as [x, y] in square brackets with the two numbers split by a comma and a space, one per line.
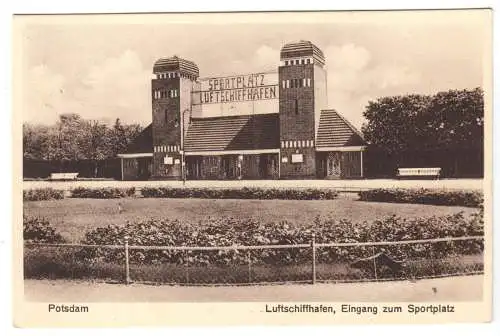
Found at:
[122, 136]
[454, 119]
[96, 143]
[393, 122]
[446, 124]
[35, 141]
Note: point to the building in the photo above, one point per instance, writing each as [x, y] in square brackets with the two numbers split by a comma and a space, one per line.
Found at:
[303, 140]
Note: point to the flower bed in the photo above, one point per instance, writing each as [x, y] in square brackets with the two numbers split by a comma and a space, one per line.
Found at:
[43, 194]
[241, 193]
[424, 196]
[82, 192]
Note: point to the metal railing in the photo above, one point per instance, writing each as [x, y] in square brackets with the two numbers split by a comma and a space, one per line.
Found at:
[259, 264]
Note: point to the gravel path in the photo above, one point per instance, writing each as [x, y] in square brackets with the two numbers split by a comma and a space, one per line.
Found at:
[466, 288]
[349, 185]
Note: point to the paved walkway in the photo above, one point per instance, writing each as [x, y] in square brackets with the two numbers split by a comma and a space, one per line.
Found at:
[466, 288]
[348, 185]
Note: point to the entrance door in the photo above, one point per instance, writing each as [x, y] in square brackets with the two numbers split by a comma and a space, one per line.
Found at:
[333, 163]
[272, 166]
[144, 168]
[193, 168]
[228, 167]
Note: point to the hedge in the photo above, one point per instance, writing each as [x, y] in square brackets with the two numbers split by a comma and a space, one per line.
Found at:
[82, 192]
[424, 196]
[39, 230]
[43, 194]
[243, 193]
[230, 232]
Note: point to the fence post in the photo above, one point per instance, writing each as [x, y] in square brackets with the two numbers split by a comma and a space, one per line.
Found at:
[249, 259]
[313, 247]
[127, 264]
[187, 267]
[374, 263]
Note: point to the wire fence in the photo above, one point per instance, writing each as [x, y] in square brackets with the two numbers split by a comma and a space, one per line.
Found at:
[261, 264]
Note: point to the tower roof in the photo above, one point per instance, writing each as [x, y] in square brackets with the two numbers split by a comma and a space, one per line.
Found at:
[302, 48]
[176, 63]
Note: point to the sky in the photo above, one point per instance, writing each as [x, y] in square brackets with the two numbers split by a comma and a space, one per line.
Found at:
[101, 66]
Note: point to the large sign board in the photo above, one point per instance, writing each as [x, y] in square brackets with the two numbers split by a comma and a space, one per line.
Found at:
[240, 88]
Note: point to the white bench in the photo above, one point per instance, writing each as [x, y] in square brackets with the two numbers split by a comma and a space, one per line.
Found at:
[63, 176]
[419, 172]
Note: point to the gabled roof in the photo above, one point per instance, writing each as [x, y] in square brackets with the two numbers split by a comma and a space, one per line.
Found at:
[335, 131]
[259, 131]
[143, 143]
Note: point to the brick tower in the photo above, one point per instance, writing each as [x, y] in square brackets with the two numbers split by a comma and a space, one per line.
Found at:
[174, 80]
[303, 92]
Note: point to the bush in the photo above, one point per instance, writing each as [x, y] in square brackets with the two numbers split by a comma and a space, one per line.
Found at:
[43, 194]
[82, 192]
[424, 196]
[243, 193]
[39, 230]
[231, 232]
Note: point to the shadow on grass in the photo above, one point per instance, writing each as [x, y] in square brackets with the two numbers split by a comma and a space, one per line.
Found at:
[52, 263]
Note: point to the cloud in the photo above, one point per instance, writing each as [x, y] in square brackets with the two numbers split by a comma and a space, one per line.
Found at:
[266, 58]
[119, 87]
[43, 94]
[354, 78]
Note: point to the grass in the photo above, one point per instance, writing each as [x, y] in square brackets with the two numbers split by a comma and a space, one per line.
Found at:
[73, 217]
[54, 263]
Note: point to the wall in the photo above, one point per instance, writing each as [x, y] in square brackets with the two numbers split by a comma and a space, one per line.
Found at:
[297, 126]
[130, 169]
[320, 94]
[307, 169]
[165, 117]
[351, 165]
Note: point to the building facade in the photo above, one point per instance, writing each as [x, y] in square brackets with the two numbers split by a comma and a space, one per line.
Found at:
[304, 140]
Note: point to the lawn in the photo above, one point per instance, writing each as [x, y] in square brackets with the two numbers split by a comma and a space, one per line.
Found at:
[73, 217]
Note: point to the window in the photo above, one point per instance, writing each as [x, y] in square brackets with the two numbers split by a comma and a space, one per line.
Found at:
[283, 84]
[303, 61]
[286, 62]
[296, 107]
[288, 83]
[296, 62]
[308, 61]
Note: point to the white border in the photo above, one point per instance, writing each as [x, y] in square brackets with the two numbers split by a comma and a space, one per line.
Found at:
[59, 6]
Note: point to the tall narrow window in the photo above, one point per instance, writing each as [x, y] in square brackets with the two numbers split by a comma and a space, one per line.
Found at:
[296, 106]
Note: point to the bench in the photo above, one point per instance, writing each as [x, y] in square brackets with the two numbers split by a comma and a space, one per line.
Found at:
[419, 172]
[63, 176]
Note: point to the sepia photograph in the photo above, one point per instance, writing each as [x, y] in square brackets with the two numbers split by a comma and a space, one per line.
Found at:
[329, 164]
